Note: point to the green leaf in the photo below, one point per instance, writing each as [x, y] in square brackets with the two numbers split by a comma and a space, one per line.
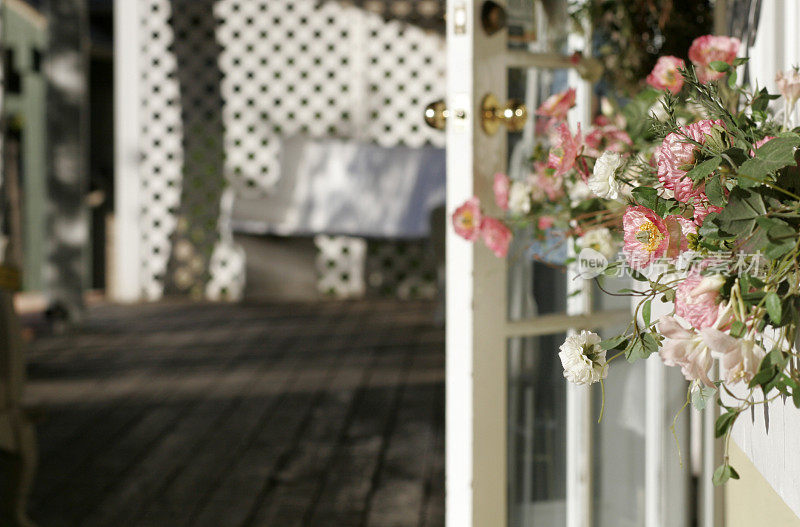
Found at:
[702, 170]
[723, 474]
[715, 192]
[738, 329]
[739, 216]
[772, 156]
[614, 342]
[719, 66]
[732, 79]
[646, 312]
[650, 344]
[701, 396]
[646, 197]
[724, 422]
[796, 397]
[774, 309]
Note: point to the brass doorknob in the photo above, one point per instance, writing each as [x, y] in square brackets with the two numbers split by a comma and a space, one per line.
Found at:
[513, 114]
[436, 114]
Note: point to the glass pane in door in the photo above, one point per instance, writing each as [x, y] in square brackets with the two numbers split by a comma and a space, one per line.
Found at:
[536, 433]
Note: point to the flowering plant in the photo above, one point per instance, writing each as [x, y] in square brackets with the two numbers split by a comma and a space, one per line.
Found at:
[698, 179]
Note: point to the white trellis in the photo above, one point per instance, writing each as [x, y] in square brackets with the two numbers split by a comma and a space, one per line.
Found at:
[317, 68]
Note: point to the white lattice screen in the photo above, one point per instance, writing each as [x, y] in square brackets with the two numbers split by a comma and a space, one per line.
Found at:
[223, 81]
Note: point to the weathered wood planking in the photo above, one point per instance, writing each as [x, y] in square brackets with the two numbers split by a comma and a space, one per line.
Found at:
[261, 414]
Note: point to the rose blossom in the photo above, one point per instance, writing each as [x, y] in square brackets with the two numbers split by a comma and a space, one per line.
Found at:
[467, 219]
[562, 156]
[501, 188]
[676, 153]
[666, 74]
[556, 106]
[603, 181]
[685, 348]
[583, 359]
[496, 236]
[697, 299]
[604, 138]
[709, 48]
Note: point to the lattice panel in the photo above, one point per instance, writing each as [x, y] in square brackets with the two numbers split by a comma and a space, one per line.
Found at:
[402, 269]
[360, 70]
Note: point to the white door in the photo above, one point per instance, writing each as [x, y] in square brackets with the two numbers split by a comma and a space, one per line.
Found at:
[524, 447]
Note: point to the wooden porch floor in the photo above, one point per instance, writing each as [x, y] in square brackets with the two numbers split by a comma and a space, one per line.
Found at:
[261, 414]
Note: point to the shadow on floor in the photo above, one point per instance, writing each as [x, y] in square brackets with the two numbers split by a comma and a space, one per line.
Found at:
[263, 414]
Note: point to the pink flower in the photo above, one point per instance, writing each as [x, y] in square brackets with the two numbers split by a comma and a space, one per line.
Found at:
[496, 236]
[545, 222]
[665, 75]
[739, 359]
[697, 300]
[545, 183]
[685, 348]
[556, 106]
[709, 48]
[677, 153]
[679, 229]
[501, 187]
[646, 236]
[702, 208]
[789, 86]
[607, 138]
[467, 219]
[562, 156]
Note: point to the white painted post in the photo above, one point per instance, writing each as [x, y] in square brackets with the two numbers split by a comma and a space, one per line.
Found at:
[127, 254]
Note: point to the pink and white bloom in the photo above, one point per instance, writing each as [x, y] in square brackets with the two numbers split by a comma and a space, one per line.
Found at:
[678, 229]
[467, 219]
[583, 359]
[789, 85]
[677, 153]
[645, 236]
[607, 138]
[496, 236]
[556, 106]
[698, 301]
[666, 74]
[702, 208]
[710, 48]
[546, 183]
[501, 188]
[685, 348]
[567, 147]
[739, 359]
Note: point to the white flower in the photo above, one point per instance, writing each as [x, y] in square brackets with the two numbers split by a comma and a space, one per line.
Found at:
[583, 359]
[603, 181]
[600, 240]
[519, 198]
[577, 191]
